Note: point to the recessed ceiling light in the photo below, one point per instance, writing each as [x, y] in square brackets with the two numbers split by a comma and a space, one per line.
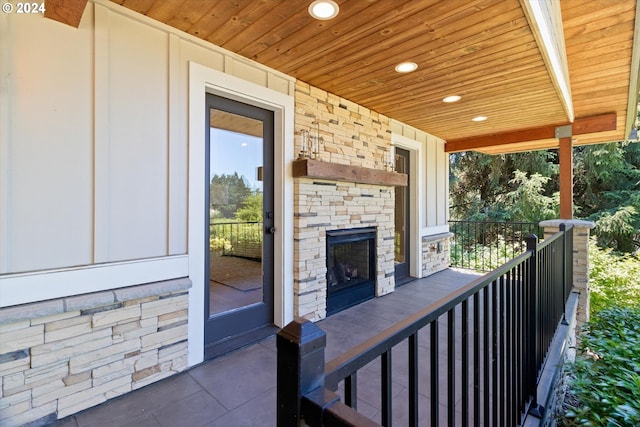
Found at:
[406, 67]
[324, 9]
[479, 118]
[452, 98]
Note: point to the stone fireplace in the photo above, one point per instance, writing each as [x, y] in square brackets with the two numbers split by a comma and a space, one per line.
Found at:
[353, 137]
[351, 260]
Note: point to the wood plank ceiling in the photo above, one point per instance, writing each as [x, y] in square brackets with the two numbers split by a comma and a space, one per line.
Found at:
[482, 50]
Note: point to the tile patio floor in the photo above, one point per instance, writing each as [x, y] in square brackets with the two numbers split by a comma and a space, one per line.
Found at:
[239, 388]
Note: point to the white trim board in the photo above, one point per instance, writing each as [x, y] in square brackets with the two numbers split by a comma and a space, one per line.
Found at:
[434, 230]
[417, 198]
[23, 288]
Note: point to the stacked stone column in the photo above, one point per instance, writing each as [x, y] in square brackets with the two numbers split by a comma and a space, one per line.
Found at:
[581, 231]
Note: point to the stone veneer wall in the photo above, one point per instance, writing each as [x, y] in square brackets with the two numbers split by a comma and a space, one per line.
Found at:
[436, 253]
[352, 135]
[61, 356]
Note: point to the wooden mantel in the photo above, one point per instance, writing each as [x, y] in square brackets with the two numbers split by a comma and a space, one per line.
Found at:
[308, 168]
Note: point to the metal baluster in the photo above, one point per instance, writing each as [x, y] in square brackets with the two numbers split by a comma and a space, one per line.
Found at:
[451, 367]
[502, 351]
[509, 351]
[476, 359]
[494, 349]
[486, 352]
[413, 379]
[386, 388]
[434, 371]
[351, 390]
[465, 362]
[520, 333]
[534, 328]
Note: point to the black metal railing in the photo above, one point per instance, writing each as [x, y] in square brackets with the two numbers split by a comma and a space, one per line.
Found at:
[479, 351]
[241, 239]
[485, 245]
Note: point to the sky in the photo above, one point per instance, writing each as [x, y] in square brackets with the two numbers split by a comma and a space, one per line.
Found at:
[236, 152]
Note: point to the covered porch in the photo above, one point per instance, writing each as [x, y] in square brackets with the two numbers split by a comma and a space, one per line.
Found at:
[245, 387]
[105, 205]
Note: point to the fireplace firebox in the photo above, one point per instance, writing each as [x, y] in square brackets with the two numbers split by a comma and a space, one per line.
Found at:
[351, 267]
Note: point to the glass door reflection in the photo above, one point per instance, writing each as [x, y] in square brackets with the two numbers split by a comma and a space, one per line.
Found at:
[235, 212]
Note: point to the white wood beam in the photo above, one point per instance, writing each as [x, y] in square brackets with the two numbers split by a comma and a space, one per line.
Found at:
[545, 21]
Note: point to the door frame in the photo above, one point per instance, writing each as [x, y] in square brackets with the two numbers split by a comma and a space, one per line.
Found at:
[408, 231]
[204, 80]
[417, 199]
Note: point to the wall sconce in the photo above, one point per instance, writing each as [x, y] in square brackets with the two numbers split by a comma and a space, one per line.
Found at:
[389, 160]
[304, 144]
[310, 144]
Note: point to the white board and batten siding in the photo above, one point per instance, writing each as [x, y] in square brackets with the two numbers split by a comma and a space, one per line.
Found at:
[94, 156]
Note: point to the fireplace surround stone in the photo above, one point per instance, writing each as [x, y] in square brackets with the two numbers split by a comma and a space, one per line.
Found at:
[325, 206]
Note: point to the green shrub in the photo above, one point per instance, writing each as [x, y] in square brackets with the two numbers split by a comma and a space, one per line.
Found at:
[479, 257]
[605, 378]
[219, 244]
[614, 279]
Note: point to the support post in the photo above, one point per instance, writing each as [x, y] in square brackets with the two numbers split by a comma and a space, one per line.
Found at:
[566, 178]
[533, 344]
[300, 366]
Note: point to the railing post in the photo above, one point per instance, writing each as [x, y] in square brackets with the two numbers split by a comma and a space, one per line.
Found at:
[563, 230]
[300, 367]
[534, 327]
[569, 259]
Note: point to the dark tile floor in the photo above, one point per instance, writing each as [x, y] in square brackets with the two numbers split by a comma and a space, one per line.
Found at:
[239, 388]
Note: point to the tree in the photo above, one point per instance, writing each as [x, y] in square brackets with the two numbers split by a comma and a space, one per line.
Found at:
[527, 202]
[479, 182]
[251, 210]
[607, 190]
[227, 193]
[618, 229]
[524, 187]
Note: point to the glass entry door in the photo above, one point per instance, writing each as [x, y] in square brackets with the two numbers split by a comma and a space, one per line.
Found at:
[401, 250]
[239, 260]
